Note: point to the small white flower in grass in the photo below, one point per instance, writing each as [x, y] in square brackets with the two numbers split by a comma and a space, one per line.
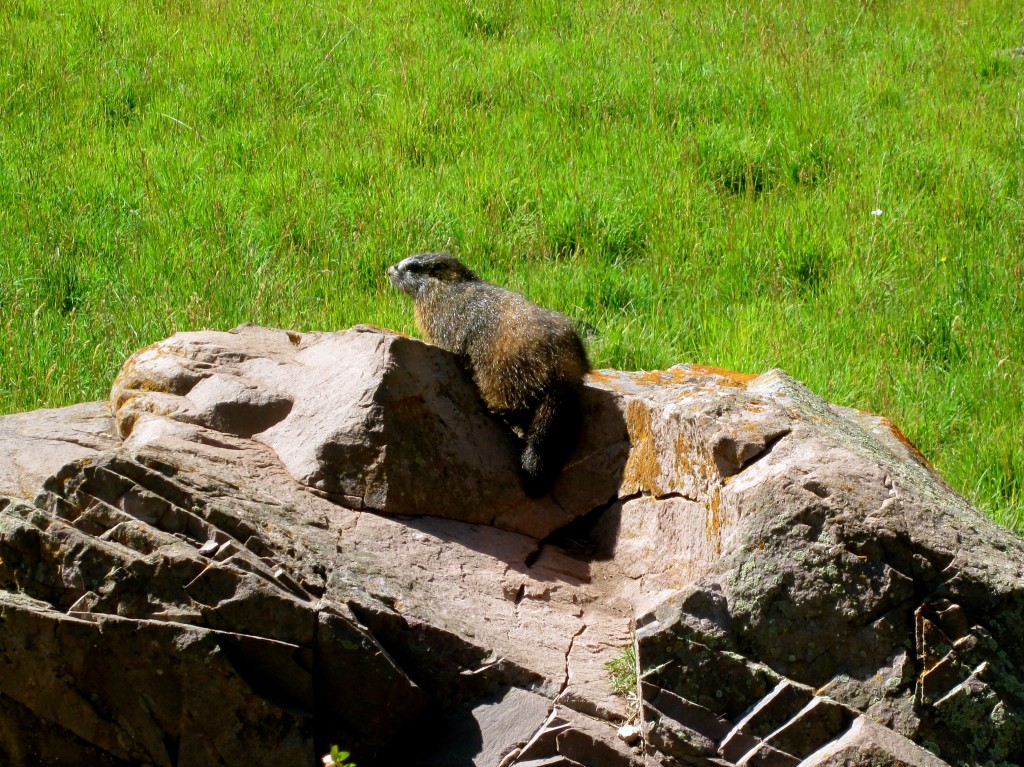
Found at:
[876, 212]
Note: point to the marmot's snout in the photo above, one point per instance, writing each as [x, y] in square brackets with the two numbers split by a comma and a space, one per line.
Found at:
[397, 277]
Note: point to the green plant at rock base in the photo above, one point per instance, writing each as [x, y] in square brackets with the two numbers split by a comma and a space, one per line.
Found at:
[337, 758]
[622, 672]
[624, 675]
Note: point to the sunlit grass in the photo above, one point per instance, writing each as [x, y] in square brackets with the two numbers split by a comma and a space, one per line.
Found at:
[691, 183]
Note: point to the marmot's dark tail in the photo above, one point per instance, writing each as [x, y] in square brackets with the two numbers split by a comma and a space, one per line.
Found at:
[551, 437]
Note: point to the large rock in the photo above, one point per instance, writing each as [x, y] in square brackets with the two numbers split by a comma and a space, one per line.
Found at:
[275, 541]
[376, 421]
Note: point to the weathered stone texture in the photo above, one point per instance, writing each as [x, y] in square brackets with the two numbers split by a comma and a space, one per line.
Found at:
[274, 541]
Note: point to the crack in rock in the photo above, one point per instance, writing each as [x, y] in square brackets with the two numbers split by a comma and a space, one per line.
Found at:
[568, 653]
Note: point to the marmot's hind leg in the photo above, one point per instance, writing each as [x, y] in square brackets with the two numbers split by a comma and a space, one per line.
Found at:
[551, 437]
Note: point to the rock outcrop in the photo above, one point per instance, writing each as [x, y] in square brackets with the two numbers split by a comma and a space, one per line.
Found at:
[270, 542]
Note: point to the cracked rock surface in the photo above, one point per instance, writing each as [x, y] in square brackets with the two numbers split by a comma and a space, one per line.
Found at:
[270, 542]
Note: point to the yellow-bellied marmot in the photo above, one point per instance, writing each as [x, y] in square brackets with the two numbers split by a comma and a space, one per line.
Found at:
[527, 362]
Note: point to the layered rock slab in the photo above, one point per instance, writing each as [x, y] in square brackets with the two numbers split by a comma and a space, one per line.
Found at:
[35, 445]
[362, 416]
[335, 522]
[855, 572]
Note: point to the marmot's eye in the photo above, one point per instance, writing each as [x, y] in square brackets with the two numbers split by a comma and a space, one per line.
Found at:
[415, 266]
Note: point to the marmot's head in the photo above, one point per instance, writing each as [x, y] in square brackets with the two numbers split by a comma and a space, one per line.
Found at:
[418, 272]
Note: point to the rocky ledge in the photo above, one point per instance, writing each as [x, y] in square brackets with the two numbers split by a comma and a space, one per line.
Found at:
[269, 542]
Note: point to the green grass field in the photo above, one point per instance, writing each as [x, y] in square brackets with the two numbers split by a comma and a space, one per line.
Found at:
[691, 182]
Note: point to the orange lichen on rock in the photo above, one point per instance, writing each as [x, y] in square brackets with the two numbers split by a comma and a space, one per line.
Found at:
[662, 377]
[600, 376]
[905, 440]
[683, 373]
[643, 467]
[683, 450]
[714, 523]
[738, 379]
[693, 467]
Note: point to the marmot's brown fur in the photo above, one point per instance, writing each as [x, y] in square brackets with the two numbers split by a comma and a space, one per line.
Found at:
[527, 362]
